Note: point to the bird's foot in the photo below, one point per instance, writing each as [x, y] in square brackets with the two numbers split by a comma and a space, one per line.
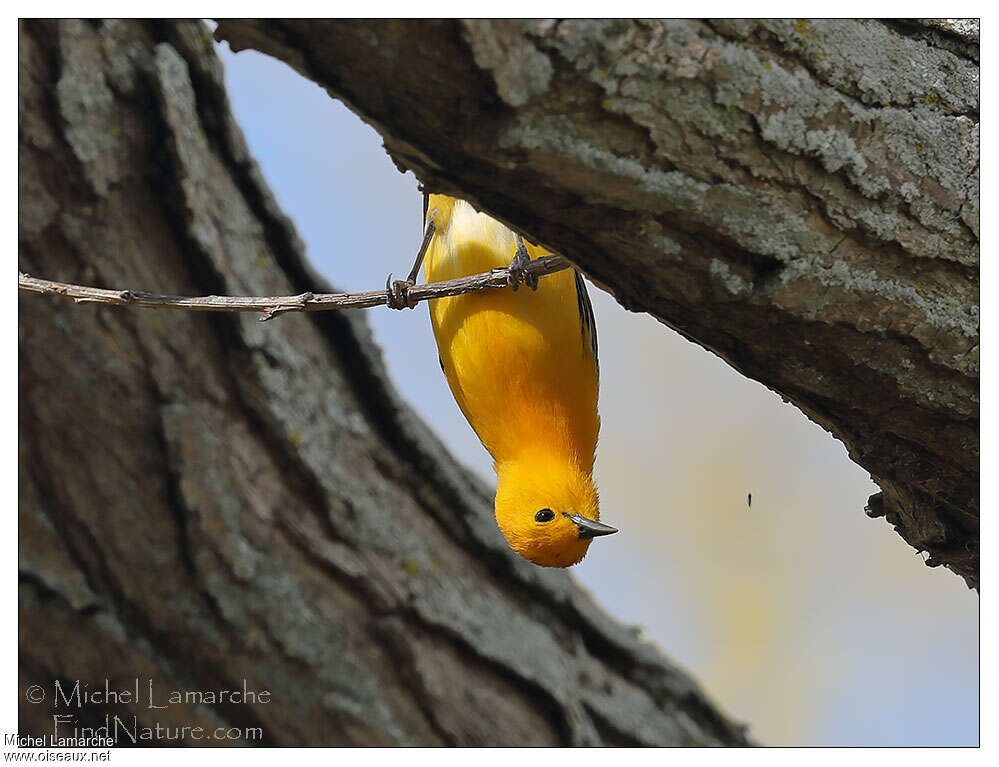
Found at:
[517, 272]
[397, 293]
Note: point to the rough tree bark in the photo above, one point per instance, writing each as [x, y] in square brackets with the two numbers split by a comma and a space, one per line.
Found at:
[206, 498]
[800, 197]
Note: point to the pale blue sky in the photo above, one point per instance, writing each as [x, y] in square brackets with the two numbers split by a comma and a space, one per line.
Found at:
[801, 617]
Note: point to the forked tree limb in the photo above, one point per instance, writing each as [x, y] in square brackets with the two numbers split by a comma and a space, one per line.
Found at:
[204, 500]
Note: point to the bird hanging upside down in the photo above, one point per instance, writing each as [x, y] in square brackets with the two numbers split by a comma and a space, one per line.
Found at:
[522, 365]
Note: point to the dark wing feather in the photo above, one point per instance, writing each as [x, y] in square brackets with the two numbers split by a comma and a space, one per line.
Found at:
[586, 315]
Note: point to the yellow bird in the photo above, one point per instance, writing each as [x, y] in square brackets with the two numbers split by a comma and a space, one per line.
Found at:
[522, 366]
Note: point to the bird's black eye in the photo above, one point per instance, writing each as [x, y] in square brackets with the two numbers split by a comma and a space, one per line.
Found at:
[545, 515]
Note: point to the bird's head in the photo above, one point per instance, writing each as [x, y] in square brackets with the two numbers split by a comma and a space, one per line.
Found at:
[548, 510]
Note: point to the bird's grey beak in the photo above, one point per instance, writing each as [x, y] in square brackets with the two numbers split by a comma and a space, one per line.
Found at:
[589, 528]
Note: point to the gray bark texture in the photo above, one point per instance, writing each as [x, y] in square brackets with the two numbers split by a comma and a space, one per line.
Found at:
[205, 498]
[800, 197]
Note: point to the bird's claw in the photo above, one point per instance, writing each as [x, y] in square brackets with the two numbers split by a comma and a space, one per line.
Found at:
[517, 273]
[397, 294]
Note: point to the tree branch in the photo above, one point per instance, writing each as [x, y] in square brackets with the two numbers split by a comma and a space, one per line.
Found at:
[271, 306]
[799, 197]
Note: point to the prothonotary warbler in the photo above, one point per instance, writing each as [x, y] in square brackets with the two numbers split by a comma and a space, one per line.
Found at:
[522, 365]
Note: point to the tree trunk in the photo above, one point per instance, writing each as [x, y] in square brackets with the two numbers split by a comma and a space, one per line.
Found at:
[206, 499]
[800, 197]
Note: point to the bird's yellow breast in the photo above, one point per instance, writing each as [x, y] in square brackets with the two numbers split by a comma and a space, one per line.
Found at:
[519, 363]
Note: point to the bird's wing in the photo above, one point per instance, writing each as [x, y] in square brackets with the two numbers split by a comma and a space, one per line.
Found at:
[586, 315]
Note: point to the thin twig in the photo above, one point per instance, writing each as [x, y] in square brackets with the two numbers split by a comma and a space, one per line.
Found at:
[271, 306]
